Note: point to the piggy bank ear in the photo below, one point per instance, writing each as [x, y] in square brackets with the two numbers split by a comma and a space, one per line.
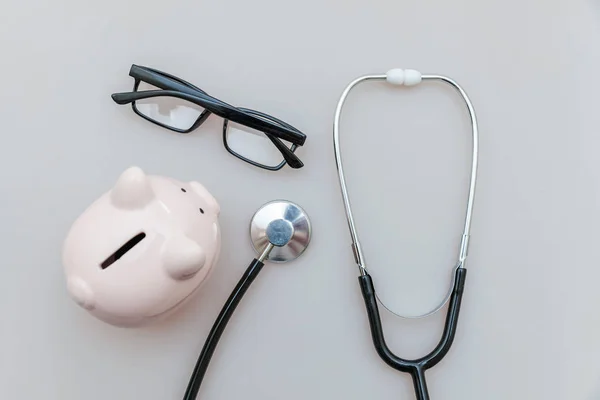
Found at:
[182, 257]
[201, 191]
[81, 292]
[132, 189]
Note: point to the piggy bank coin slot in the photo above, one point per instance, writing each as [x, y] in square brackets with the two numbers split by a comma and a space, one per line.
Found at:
[123, 250]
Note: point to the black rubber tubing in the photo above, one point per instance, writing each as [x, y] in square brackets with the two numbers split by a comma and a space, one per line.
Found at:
[416, 368]
[218, 327]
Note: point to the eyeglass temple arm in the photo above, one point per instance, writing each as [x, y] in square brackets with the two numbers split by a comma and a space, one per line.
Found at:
[130, 97]
[289, 156]
[219, 108]
[163, 80]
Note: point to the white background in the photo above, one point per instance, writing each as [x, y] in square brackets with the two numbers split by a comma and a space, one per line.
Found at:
[529, 326]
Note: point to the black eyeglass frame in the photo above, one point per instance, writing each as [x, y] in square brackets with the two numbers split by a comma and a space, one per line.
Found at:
[288, 153]
[172, 86]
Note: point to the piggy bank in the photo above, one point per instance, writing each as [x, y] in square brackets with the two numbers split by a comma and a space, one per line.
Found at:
[141, 250]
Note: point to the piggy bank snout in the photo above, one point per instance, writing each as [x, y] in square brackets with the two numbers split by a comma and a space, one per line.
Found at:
[204, 194]
[183, 257]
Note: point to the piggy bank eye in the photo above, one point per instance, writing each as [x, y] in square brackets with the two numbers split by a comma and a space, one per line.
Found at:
[201, 211]
[183, 190]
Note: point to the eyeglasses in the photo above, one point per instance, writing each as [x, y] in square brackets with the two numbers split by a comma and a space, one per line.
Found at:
[170, 102]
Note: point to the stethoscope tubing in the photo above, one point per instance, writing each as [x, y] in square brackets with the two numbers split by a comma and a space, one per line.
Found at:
[416, 368]
[219, 325]
[287, 229]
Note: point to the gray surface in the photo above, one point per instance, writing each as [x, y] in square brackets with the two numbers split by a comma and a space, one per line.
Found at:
[534, 251]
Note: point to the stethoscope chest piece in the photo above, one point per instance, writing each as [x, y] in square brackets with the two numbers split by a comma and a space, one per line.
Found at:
[280, 231]
[280, 220]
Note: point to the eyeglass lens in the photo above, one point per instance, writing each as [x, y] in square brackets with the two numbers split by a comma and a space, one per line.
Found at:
[253, 144]
[170, 111]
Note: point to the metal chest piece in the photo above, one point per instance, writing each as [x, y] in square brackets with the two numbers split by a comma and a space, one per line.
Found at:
[279, 217]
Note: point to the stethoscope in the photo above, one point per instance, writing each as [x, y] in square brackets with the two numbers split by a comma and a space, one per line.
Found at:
[416, 368]
[280, 232]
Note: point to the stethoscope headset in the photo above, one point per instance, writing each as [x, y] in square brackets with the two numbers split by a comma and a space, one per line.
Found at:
[417, 367]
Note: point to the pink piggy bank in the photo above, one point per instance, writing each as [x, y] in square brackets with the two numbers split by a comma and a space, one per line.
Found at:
[142, 249]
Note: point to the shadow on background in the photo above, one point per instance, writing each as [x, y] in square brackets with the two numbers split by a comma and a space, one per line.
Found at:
[595, 392]
[595, 5]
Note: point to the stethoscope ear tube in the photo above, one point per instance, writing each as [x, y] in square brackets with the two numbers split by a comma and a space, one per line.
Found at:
[408, 78]
[416, 368]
